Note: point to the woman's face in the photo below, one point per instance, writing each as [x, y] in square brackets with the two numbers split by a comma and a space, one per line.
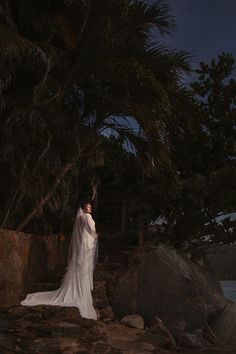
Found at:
[88, 208]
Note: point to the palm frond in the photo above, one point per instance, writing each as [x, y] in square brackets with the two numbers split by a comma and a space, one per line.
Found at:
[169, 62]
[15, 46]
[6, 15]
[156, 13]
[5, 80]
[5, 77]
[121, 126]
[152, 147]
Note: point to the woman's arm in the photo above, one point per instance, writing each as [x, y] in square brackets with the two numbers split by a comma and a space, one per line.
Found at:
[91, 225]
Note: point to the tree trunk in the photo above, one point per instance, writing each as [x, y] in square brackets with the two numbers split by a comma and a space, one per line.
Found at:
[75, 68]
[9, 208]
[123, 215]
[39, 207]
[141, 229]
[14, 197]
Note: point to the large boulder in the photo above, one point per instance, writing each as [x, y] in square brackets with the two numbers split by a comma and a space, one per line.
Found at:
[163, 283]
[14, 255]
[24, 260]
[225, 325]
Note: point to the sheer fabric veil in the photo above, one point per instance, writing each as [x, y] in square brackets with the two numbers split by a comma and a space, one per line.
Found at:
[77, 283]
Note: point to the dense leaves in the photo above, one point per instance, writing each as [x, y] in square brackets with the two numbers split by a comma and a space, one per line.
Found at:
[194, 202]
[74, 71]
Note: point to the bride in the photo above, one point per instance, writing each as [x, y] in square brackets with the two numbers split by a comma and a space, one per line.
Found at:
[77, 283]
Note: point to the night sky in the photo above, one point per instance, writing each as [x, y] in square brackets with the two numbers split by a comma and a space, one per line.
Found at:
[204, 27]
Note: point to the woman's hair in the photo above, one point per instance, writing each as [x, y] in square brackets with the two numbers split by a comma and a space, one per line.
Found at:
[82, 204]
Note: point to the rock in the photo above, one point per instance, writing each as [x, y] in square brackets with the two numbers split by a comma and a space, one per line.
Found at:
[192, 340]
[107, 313]
[225, 325]
[6, 343]
[161, 282]
[69, 329]
[209, 335]
[67, 314]
[103, 276]
[101, 347]
[63, 332]
[86, 323]
[24, 260]
[72, 345]
[90, 337]
[58, 335]
[18, 312]
[162, 334]
[126, 339]
[60, 345]
[102, 304]
[59, 329]
[5, 325]
[135, 321]
[14, 253]
[71, 314]
[35, 317]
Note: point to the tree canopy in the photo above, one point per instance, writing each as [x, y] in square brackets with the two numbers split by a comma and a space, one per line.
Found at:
[74, 71]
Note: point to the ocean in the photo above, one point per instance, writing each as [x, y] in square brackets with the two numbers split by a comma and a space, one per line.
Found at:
[229, 289]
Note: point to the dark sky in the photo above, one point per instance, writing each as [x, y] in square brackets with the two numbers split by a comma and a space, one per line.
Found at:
[204, 27]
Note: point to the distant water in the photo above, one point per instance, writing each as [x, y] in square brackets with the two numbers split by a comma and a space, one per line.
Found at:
[229, 289]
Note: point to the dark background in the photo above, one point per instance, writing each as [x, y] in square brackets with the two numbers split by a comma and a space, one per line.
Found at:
[205, 28]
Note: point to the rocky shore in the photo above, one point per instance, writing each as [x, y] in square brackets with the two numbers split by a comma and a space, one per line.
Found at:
[50, 329]
[140, 300]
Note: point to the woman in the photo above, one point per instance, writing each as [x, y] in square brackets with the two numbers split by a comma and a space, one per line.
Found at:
[76, 286]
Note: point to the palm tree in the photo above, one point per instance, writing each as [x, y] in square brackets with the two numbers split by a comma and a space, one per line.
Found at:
[102, 72]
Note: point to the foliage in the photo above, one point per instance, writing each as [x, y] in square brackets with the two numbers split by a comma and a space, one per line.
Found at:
[72, 69]
[218, 99]
[205, 159]
[201, 185]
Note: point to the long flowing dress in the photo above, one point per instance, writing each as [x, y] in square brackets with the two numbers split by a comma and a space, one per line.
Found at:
[77, 283]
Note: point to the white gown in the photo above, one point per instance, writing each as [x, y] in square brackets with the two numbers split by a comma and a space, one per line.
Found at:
[77, 283]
